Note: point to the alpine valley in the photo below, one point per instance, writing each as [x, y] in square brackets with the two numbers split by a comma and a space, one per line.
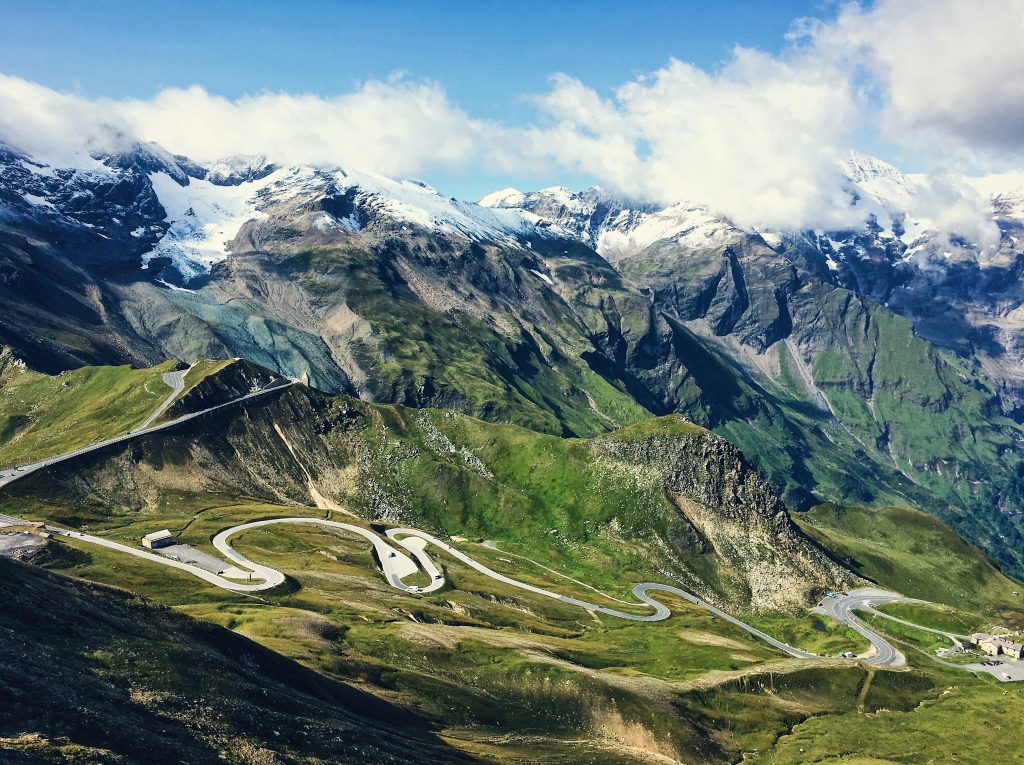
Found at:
[560, 409]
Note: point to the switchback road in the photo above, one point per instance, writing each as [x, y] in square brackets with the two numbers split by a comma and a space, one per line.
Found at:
[841, 607]
[402, 553]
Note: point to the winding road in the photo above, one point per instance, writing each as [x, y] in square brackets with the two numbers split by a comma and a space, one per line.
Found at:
[176, 380]
[841, 607]
[402, 552]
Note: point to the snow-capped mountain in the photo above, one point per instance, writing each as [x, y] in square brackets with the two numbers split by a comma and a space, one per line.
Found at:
[387, 290]
[896, 208]
[156, 206]
[613, 226]
[168, 208]
[948, 254]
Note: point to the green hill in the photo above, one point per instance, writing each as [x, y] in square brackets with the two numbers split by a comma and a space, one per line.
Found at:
[595, 506]
[916, 554]
[45, 415]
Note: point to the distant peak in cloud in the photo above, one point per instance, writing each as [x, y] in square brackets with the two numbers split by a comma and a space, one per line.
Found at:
[764, 140]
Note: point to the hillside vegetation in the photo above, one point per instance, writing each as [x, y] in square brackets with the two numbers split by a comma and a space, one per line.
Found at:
[501, 675]
[598, 506]
[98, 675]
[916, 554]
[43, 415]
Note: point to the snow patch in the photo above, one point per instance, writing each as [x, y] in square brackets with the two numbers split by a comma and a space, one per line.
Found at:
[38, 201]
[326, 222]
[404, 201]
[175, 287]
[545, 277]
[203, 219]
[509, 197]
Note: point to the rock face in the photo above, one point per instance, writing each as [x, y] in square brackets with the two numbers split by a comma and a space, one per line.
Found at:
[231, 380]
[781, 342]
[735, 514]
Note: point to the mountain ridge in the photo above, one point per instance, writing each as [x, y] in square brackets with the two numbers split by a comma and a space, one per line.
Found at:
[389, 291]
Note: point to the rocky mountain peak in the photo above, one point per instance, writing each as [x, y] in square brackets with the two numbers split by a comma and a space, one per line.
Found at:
[864, 167]
[148, 158]
[238, 169]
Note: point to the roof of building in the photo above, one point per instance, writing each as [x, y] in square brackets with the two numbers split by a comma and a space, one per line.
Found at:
[156, 536]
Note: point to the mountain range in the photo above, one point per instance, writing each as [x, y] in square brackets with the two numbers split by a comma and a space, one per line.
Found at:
[876, 366]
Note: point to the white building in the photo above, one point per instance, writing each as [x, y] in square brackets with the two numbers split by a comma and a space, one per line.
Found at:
[158, 539]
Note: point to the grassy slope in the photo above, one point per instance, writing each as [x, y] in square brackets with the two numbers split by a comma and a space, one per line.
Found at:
[922, 640]
[41, 416]
[916, 554]
[934, 416]
[96, 675]
[968, 721]
[936, 617]
[484, 659]
[477, 656]
[552, 499]
[546, 676]
[812, 632]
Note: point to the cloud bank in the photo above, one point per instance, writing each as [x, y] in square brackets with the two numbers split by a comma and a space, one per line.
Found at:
[393, 128]
[760, 139]
[950, 73]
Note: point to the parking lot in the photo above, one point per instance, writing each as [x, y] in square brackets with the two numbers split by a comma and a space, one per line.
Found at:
[1014, 669]
[187, 554]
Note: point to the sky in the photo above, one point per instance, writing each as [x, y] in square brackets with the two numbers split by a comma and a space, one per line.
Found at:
[746, 106]
[489, 56]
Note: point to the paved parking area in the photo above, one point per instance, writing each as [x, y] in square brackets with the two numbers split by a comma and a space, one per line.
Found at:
[188, 554]
[1008, 672]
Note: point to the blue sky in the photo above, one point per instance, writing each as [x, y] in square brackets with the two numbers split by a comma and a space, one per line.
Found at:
[487, 55]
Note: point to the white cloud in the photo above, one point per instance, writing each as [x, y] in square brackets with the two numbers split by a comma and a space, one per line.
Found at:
[56, 125]
[759, 140]
[395, 128]
[950, 73]
[958, 214]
